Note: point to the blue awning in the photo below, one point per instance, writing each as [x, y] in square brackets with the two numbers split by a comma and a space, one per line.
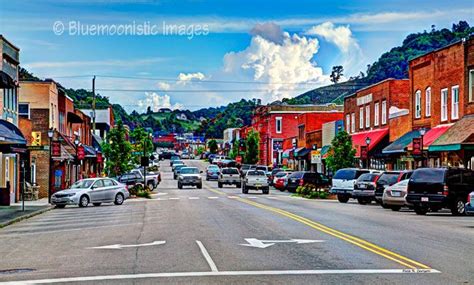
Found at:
[90, 151]
[10, 134]
[400, 144]
[301, 152]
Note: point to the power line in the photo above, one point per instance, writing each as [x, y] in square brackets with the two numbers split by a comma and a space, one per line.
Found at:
[194, 91]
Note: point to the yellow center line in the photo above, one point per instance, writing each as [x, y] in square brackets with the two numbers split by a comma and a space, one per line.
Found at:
[346, 237]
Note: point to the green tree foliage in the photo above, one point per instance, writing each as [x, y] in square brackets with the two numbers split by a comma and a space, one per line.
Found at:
[212, 145]
[234, 151]
[252, 143]
[117, 151]
[141, 141]
[341, 154]
[336, 73]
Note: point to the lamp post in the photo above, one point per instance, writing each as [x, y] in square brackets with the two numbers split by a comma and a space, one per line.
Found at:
[367, 142]
[23, 188]
[422, 133]
[50, 180]
[76, 143]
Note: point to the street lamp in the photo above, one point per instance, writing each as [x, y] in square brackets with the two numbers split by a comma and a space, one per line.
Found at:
[50, 180]
[76, 143]
[422, 133]
[367, 142]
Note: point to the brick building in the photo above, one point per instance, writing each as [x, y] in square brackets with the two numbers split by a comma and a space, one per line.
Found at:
[368, 114]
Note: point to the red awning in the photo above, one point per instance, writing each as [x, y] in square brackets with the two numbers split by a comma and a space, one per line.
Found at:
[375, 136]
[432, 135]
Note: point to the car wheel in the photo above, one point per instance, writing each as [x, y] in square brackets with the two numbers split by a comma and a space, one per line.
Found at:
[266, 191]
[342, 198]
[383, 205]
[238, 185]
[457, 208]
[199, 186]
[207, 178]
[180, 186]
[83, 201]
[420, 210]
[219, 184]
[97, 204]
[395, 208]
[362, 201]
[174, 177]
[60, 206]
[118, 199]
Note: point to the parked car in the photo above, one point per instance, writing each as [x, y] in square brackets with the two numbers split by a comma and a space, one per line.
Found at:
[130, 179]
[177, 170]
[388, 178]
[165, 155]
[343, 182]
[469, 208]
[227, 163]
[219, 158]
[185, 155]
[212, 172]
[301, 178]
[256, 180]
[189, 176]
[280, 181]
[152, 178]
[364, 188]
[92, 190]
[265, 169]
[437, 188]
[395, 196]
[229, 176]
[175, 163]
[173, 158]
[211, 157]
[272, 175]
[244, 168]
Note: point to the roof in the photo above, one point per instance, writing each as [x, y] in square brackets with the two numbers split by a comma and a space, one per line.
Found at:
[439, 49]
[432, 135]
[400, 144]
[375, 136]
[10, 134]
[459, 135]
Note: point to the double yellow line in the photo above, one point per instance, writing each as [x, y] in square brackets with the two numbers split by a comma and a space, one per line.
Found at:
[407, 262]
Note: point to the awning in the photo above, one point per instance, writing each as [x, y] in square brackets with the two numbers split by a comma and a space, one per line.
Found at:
[65, 155]
[74, 118]
[6, 81]
[286, 153]
[325, 151]
[96, 141]
[400, 144]
[10, 134]
[431, 136]
[90, 151]
[302, 152]
[375, 136]
[458, 136]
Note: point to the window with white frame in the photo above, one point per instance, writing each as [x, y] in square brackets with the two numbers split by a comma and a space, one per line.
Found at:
[361, 118]
[444, 104]
[367, 116]
[376, 113]
[418, 104]
[384, 112]
[353, 123]
[278, 123]
[471, 85]
[428, 102]
[24, 110]
[348, 123]
[455, 102]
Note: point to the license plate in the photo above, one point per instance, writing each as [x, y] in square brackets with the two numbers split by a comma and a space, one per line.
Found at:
[362, 186]
[396, 194]
[424, 199]
[258, 185]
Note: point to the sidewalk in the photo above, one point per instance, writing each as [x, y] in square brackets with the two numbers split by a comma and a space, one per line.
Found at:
[13, 213]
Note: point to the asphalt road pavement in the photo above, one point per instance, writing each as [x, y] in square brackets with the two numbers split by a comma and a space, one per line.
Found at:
[215, 236]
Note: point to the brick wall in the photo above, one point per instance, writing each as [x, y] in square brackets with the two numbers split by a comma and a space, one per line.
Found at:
[399, 126]
[40, 123]
[42, 170]
[469, 84]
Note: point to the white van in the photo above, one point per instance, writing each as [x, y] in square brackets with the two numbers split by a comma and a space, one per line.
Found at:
[343, 182]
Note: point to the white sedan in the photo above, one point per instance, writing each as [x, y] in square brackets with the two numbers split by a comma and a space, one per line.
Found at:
[93, 190]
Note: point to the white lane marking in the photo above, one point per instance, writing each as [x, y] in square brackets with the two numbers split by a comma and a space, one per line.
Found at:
[120, 246]
[253, 242]
[212, 197]
[207, 256]
[223, 273]
[173, 198]
[252, 197]
[232, 197]
[193, 198]
[272, 198]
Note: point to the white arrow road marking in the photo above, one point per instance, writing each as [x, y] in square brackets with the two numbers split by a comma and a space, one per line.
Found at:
[253, 242]
[120, 246]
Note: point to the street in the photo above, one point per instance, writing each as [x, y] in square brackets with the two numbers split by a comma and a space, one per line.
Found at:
[215, 236]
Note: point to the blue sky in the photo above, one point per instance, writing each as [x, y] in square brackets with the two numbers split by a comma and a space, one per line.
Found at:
[274, 49]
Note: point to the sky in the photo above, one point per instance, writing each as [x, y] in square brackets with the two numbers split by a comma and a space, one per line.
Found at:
[197, 53]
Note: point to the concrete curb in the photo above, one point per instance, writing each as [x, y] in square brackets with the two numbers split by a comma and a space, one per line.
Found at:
[24, 217]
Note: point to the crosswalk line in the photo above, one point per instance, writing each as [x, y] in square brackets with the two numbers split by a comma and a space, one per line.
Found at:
[193, 198]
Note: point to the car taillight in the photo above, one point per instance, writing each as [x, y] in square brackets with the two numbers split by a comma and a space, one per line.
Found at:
[445, 190]
[376, 178]
[301, 182]
[469, 199]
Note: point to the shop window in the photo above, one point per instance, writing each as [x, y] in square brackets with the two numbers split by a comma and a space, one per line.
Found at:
[376, 114]
[444, 104]
[367, 116]
[418, 104]
[353, 122]
[24, 110]
[471, 85]
[278, 123]
[348, 123]
[428, 102]
[384, 112]
[455, 102]
[361, 118]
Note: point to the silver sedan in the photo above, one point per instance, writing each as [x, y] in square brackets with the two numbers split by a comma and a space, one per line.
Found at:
[93, 190]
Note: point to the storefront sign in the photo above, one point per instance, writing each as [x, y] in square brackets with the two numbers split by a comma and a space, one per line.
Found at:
[238, 159]
[315, 156]
[99, 157]
[363, 152]
[56, 149]
[81, 154]
[417, 149]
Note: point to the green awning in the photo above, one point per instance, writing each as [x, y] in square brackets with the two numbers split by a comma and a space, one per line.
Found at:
[458, 136]
[400, 144]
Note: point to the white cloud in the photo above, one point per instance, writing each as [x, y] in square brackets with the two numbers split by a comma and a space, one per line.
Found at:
[187, 77]
[156, 102]
[284, 66]
[163, 85]
[269, 31]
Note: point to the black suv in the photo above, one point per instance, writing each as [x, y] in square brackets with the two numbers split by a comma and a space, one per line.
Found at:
[388, 178]
[130, 179]
[301, 178]
[436, 188]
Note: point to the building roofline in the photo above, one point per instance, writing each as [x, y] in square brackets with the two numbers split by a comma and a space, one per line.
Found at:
[463, 40]
[380, 82]
[9, 42]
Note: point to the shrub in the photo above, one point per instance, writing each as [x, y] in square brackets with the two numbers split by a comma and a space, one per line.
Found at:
[313, 195]
[323, 195]
[144, 194]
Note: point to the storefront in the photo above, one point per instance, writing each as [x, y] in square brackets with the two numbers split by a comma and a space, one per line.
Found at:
[302, 160]
[369, 146]
[396, 158]
[428, 158]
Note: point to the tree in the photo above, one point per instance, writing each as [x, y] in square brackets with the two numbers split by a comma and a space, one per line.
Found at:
[252, 143]
[117, 151]
[234, 152]
[141, 141]
[341, 154]
[212, 145]
[336, 73]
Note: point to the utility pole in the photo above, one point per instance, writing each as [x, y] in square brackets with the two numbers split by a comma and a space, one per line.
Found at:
[93, 105]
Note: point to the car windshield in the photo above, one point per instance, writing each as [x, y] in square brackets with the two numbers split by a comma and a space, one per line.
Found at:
[428, 175]
[179, 166]
[345, 174]
[402, 183]
[86, 183]
[281, 174]
[189, 170]
[388, 178]
[263, 168]
[230, 171]
[368, 177]
[255, 173]
[213, 167]
[296, 175]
